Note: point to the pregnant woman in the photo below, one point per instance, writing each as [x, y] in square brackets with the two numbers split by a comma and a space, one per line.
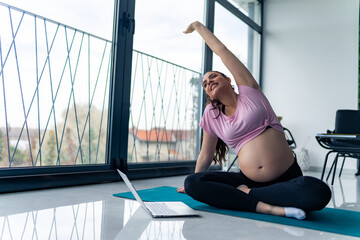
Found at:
[270, 180]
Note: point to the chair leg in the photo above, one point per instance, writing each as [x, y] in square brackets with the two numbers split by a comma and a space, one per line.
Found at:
[231, 164]
[326, 159]
[331, 168]
[336, 159]
[342, 166]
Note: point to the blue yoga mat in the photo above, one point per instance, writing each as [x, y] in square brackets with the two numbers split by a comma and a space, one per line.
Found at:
[329, 219]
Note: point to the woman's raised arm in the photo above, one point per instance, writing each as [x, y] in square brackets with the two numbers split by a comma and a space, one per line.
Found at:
[240, 73]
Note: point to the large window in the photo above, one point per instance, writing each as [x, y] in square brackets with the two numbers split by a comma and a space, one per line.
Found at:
[55, 73]
[83, 92]
[164, 87]
[250, 8]
[242, 40]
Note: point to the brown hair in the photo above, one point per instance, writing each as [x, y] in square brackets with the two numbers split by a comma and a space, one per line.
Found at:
[221, 148]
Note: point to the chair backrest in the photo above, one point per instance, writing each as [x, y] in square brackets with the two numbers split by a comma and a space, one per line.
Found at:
[289, 138]
[347, 121]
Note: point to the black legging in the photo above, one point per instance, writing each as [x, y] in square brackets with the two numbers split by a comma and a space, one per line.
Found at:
[292, 189]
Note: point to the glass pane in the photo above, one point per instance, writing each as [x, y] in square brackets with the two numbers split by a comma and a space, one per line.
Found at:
[242, 40]
[251, 8]
[164, 88]
[55, 60]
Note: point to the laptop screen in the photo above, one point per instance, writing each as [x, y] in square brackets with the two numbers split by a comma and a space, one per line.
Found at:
[132, 188]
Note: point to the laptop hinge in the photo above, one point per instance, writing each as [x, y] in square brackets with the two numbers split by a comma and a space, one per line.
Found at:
[121, 164]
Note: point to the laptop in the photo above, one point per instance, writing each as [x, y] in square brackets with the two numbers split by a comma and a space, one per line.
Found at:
[160, 209]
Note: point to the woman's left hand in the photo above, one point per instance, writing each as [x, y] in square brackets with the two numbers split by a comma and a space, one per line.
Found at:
[181, 190]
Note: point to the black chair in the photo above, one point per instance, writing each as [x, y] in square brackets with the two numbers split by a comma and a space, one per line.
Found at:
[344, 140]
[290, 140]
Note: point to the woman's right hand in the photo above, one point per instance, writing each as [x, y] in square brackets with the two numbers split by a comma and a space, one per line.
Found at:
[181, 190]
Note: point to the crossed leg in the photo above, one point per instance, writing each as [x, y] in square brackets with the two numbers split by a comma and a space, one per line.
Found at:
[265, 208]
[291, 198]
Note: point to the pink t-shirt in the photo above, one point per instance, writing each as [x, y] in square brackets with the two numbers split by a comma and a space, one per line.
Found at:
[253, 114]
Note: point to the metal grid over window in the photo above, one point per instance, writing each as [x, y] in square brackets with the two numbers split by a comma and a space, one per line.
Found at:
[164, 111]
[54, 87]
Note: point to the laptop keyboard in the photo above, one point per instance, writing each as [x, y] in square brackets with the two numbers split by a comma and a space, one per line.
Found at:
[159, 208]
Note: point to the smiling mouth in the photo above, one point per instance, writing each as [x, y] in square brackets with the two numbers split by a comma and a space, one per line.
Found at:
[213, 86]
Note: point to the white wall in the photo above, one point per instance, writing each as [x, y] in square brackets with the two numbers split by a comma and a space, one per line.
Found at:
[310, 65]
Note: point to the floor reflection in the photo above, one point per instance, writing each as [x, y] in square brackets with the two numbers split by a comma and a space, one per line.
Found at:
[140, 225]
[92, 220]
[79, 221]
[346, 194]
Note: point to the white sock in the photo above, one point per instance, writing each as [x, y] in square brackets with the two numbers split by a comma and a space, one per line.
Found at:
[294, 213]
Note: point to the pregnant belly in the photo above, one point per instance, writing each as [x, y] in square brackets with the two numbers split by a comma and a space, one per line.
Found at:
[266, 157]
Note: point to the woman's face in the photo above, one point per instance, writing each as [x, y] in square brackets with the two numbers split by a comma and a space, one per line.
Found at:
[214, 83]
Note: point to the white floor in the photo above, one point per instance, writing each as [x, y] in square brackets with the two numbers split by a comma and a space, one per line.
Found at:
[91, 212]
